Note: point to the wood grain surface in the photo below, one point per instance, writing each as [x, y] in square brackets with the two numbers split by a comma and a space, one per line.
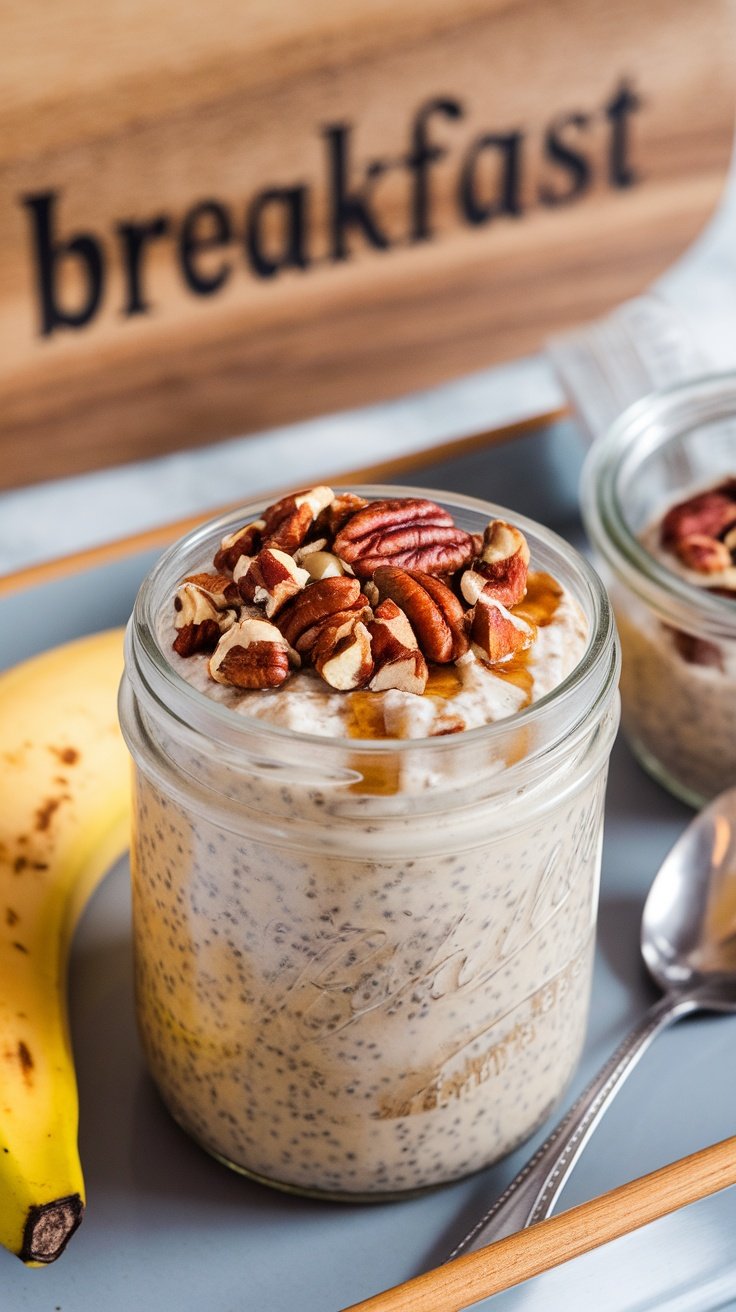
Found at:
[183, 259]
[469, 1279]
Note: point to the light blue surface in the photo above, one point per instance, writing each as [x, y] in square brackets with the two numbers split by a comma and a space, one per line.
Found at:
[169, 1229]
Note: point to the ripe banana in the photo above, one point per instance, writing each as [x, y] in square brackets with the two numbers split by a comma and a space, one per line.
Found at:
[64, 819]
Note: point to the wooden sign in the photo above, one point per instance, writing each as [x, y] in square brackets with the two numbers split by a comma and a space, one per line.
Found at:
[219, 219]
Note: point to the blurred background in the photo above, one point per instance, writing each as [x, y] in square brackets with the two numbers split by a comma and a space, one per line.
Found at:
[292, 242]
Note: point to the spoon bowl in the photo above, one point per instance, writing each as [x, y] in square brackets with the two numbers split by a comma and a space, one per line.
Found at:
[688, 931]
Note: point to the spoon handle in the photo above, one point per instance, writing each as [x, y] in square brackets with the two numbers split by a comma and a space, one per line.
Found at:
[532, 1194]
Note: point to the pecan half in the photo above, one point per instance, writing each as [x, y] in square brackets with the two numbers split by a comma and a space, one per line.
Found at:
[204, 610]
[396, 655]
[301, 620]
[245, 541]
[501, 569]
[252, 654]
[434, 612]
[288, 521]
[408, 532]
[270, 579]
[342, 653]
[496, 634]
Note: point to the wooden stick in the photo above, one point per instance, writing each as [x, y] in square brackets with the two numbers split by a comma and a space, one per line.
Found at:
[469, 1279]
[163, 534]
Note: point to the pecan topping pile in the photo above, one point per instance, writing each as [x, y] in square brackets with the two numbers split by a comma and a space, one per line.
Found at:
[363, 592]
[701, 532]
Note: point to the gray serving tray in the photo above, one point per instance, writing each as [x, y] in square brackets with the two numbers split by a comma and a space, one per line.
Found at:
[168, 1228]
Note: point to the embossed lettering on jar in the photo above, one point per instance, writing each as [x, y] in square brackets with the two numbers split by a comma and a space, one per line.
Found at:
[363, 967]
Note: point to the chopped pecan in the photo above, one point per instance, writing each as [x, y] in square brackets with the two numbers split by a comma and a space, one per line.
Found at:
[391, 619]
[270, 579]
[332, 518]
[497, 634]
[710, 513]
[500, 571]
[204, 611]
[405, 671]
[245, 541]
[301, 620]
[408, 532]
[434, 612]
[252, 654]
[398, 660]
[702, 553]
[204, 636]
[288, 521]
[342, 652]
[219, 588]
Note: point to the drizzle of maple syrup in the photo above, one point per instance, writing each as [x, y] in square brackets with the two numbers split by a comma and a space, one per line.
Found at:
[380, 776]
[444, 681]
[542, 598]
[365, 716]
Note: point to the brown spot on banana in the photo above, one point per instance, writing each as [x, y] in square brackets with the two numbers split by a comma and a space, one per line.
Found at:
[67, 755]
[26, 1061]
[46, 812]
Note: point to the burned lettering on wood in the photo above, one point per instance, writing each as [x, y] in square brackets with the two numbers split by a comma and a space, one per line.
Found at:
[274, 231]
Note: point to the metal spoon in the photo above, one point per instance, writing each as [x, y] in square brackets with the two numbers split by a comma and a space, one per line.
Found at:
[688, 941]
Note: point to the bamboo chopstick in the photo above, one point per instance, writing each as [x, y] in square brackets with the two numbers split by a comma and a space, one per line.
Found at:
[475, 1276]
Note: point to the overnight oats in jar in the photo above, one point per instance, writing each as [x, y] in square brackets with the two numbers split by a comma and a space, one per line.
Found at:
[659, 503]
[371, 735]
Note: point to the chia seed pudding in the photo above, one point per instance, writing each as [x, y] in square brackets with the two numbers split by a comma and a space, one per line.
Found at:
[659, 500]
[364, 947]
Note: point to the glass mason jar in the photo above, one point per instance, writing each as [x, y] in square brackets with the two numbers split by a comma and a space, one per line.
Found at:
[363, 966]
[678, 681]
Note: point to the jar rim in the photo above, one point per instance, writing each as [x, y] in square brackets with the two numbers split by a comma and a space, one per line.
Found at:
[656, 420]
[596, 670]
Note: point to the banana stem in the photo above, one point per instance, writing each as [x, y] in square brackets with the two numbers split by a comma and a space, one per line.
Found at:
[49, 1228]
